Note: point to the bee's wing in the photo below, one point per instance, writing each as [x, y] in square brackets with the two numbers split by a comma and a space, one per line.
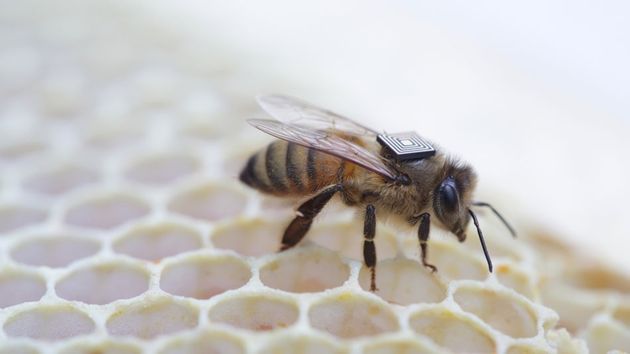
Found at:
[327, 142]
[293, 111]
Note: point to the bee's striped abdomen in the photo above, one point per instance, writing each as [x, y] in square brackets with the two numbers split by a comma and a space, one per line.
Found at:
[295, 167]
[285, 168]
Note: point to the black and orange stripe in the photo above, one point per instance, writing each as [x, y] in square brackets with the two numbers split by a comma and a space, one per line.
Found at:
[284, 168]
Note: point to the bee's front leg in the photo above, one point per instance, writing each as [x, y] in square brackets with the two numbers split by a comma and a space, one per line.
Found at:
[305, 214]
[369, 250]
[423, 237]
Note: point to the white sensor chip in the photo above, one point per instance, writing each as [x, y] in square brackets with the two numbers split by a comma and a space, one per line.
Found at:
[406, 146]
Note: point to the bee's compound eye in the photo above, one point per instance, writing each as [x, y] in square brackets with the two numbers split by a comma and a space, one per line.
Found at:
[449, 197]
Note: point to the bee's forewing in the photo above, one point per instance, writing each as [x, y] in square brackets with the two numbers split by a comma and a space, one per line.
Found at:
[325, 141]
[293, 111]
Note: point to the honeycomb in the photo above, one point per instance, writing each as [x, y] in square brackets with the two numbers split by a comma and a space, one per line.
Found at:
[123, 228]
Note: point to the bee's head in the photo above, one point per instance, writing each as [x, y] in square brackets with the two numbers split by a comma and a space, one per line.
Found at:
[452, 197]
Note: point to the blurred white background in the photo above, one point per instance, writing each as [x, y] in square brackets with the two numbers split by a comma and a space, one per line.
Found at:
[535, 94]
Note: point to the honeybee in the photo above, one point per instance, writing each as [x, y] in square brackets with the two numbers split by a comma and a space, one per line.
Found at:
[400, 176]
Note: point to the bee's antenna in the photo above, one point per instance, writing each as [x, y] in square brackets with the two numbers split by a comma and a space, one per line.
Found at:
[483, 243]
[507, 224]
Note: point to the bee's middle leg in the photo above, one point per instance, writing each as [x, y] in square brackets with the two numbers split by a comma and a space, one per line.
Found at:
[369, 250]
[423, 237]
[305, 214]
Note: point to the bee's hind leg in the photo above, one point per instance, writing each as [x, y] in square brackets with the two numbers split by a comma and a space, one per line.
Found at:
[423, 237]
[305, 214]
[369, 250]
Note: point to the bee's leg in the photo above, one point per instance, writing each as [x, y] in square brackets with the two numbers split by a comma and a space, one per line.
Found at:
[305, 214]
[369, 251]
[423, 236]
